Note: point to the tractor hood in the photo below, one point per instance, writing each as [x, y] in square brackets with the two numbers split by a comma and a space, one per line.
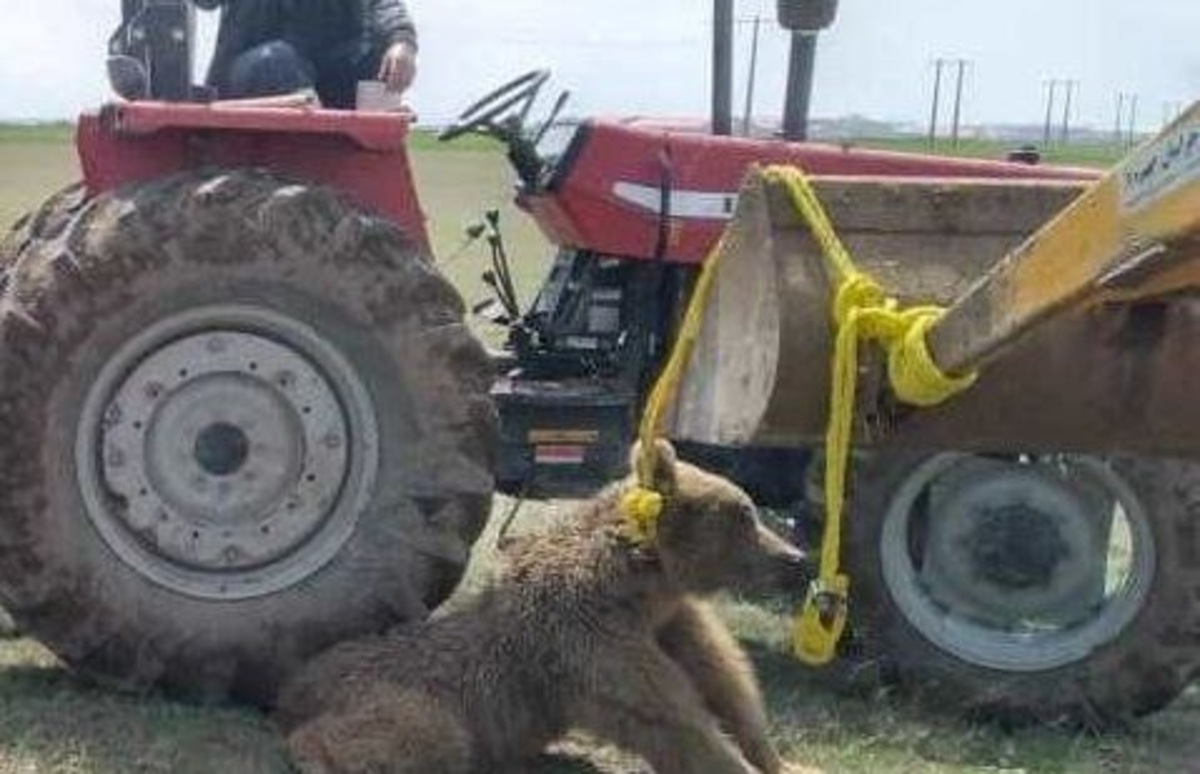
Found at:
[643, 188]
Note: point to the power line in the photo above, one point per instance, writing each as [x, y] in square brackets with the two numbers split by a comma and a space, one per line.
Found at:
[1052, 88]
[1070, 90]
[1171, 111]
[958, 97]
[1120, 114]
[1133, 108]
[752, 78]
[1065, 136]
[940, 65]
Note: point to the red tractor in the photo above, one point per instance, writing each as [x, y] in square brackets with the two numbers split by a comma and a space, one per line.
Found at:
[244, 418]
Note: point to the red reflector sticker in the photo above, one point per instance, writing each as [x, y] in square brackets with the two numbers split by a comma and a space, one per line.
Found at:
[559, 455]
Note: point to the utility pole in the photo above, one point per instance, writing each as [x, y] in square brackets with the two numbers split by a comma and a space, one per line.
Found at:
[958, 97]
[1171, 111]
[800, 77]
[939, 65]
[722, 60]
[1065, 136]
[748, 116]
[1117, 126]
[1133, 108]
[1051, 90]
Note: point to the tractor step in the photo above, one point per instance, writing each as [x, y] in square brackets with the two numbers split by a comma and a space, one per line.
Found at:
[562, 438]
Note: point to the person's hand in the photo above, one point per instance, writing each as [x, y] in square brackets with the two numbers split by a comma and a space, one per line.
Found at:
[399, 67]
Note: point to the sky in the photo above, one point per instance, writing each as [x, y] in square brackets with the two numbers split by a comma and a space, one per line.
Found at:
[650, 57]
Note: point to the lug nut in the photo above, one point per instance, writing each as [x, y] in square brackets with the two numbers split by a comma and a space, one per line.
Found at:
[113, 416]
[115, 458]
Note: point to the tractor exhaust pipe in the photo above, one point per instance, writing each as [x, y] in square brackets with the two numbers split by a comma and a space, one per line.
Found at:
[799, 86]
[722, 91]
[805, 19]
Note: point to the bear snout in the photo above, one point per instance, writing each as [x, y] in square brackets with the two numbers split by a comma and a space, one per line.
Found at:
[788, 568]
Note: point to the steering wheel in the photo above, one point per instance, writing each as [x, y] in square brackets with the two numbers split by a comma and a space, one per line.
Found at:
[483, 114]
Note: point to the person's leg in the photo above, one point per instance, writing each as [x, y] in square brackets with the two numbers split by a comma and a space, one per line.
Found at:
[245, 24]
[339, 71]
[269, 70]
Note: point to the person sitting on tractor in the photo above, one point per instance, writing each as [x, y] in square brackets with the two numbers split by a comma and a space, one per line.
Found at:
[273, 47]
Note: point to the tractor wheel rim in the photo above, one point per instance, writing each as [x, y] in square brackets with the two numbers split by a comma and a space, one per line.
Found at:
[226, 452]
[1025, 619]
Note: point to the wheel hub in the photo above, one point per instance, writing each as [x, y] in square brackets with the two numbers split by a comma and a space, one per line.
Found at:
[1015, 547]
[1016, 565]
[1008, 543]
[222, 449]
[226, 459]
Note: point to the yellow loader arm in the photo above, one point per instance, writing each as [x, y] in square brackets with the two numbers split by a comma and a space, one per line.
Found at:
[1133, 235]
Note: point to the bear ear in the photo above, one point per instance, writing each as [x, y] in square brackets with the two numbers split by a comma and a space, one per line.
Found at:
[664, 475]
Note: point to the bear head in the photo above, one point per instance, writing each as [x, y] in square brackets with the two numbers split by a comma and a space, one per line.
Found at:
[709, 536]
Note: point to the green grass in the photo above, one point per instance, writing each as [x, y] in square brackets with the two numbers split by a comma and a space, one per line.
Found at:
[53, 723]
[45, 134]
[871, 730]
[423, 140]
[32, 166]
[1100, 156]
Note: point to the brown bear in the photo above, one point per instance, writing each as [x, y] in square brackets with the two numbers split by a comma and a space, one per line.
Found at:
[584, 629]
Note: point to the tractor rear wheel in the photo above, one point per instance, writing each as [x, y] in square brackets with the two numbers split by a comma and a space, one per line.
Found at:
[241, 420]
[1043, 589]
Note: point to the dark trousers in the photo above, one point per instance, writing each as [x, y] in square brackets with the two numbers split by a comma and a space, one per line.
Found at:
[277, 67]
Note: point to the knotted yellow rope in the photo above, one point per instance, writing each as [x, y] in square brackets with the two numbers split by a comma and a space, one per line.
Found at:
[862, 311]
[643, 505]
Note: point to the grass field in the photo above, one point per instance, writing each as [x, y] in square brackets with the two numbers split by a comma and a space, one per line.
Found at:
[53, 723]
[1070, 155]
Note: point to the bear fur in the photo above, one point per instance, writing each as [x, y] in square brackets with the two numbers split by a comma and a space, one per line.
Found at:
[583, 630]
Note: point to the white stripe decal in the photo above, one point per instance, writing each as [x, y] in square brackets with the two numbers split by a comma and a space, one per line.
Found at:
[693, 205]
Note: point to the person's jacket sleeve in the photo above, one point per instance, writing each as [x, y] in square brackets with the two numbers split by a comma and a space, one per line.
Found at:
[389, 22]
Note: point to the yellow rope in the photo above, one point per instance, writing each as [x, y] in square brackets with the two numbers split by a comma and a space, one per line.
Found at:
[862, 311]
[643, 504]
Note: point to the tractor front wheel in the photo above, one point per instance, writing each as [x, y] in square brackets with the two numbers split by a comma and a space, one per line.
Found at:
[1030, 588]
[241, 420]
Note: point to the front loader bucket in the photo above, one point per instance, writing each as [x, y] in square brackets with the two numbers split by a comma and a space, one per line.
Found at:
[760, 371]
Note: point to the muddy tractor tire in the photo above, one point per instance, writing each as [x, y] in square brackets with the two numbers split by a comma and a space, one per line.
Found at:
[1057, 589]
[240, 420]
